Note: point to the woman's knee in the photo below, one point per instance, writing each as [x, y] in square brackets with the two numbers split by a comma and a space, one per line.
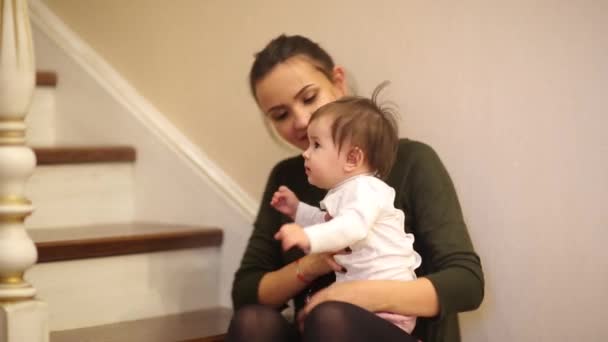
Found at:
[251, 322]
[330, 314]
[252, 317]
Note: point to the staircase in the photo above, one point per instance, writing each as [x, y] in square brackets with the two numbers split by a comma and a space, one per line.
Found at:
[104, 275]
[200, 326]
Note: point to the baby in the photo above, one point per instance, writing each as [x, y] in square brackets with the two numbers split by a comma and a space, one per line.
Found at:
[353, 143]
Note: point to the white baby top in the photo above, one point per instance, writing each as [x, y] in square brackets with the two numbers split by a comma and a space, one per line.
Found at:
[364, 219]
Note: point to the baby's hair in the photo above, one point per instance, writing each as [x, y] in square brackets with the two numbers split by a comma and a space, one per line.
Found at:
[366, 124]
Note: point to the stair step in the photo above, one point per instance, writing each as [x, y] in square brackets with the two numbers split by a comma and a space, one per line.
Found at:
[46, 78]
[123, 272]
[84, 154]
[40, 119]
[56, 244]
[208, 325]
[67, 195]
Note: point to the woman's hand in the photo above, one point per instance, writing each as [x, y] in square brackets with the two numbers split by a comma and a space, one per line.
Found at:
[349, 291]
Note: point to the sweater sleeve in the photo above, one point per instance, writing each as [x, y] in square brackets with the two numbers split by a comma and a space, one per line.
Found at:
[452, 265]
[263, 253]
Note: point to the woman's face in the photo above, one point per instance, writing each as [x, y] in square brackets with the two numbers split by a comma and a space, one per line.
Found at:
[292, 91]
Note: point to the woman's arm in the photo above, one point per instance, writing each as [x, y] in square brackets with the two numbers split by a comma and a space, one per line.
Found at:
[449, 260]
[277, 287]
[262, 254]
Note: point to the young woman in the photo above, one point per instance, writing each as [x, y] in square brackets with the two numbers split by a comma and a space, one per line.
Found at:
[291, 78]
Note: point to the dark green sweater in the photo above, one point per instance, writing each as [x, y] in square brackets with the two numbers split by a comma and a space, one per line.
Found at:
[425, 193]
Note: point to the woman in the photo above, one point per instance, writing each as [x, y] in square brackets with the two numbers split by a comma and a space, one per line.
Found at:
[290, 78]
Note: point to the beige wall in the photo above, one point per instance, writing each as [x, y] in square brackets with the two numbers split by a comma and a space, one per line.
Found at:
[512, 94]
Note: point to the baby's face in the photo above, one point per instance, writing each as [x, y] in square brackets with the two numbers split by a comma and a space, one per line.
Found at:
[324, 164]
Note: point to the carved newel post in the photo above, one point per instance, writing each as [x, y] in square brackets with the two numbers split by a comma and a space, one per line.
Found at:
[22, 318]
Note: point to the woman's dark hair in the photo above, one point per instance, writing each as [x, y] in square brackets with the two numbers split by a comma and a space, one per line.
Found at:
[284, 47]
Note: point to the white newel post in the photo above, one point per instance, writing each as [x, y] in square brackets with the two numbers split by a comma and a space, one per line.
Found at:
[22, 317]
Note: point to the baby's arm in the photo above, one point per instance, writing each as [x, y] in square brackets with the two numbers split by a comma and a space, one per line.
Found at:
[358, 212]
[286, 202]
[292, 235]
[350, 225]
[307, 215]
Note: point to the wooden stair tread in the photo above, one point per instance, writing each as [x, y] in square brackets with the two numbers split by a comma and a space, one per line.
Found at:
[57, 244]
[208, 325]
[46, 78]
[84, 154]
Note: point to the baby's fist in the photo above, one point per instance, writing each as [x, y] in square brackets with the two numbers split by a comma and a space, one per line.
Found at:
[292, 235]
[285, 201]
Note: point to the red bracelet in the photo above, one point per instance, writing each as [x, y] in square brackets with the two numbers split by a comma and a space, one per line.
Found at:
[299, 273]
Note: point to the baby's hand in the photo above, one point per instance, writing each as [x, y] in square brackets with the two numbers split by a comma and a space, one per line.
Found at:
[292, 235]
[285, 201]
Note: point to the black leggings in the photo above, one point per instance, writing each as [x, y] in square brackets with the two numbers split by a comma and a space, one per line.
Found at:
[329, 321]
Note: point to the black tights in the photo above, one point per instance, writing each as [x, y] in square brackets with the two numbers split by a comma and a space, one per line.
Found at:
[330, 321]
[259, 323]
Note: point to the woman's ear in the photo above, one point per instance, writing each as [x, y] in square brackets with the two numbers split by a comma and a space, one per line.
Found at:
[354, 159]
[339, 80]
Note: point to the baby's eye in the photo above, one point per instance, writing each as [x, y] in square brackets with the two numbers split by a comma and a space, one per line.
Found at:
[316, 145]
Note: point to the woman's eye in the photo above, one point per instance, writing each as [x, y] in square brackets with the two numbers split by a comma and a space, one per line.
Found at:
[278, 116]
[310, 99]
[316, 145]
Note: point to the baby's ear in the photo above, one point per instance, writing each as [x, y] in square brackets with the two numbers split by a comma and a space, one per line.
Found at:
[354, 159]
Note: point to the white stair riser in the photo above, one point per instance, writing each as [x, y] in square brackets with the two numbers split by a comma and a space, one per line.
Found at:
[40, 119]
[90, 292]
[68, 195]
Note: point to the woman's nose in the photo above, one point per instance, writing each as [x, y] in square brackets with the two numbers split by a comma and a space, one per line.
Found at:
[301, 119]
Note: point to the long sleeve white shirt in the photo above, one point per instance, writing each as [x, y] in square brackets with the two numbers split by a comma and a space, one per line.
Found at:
[364, 219]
